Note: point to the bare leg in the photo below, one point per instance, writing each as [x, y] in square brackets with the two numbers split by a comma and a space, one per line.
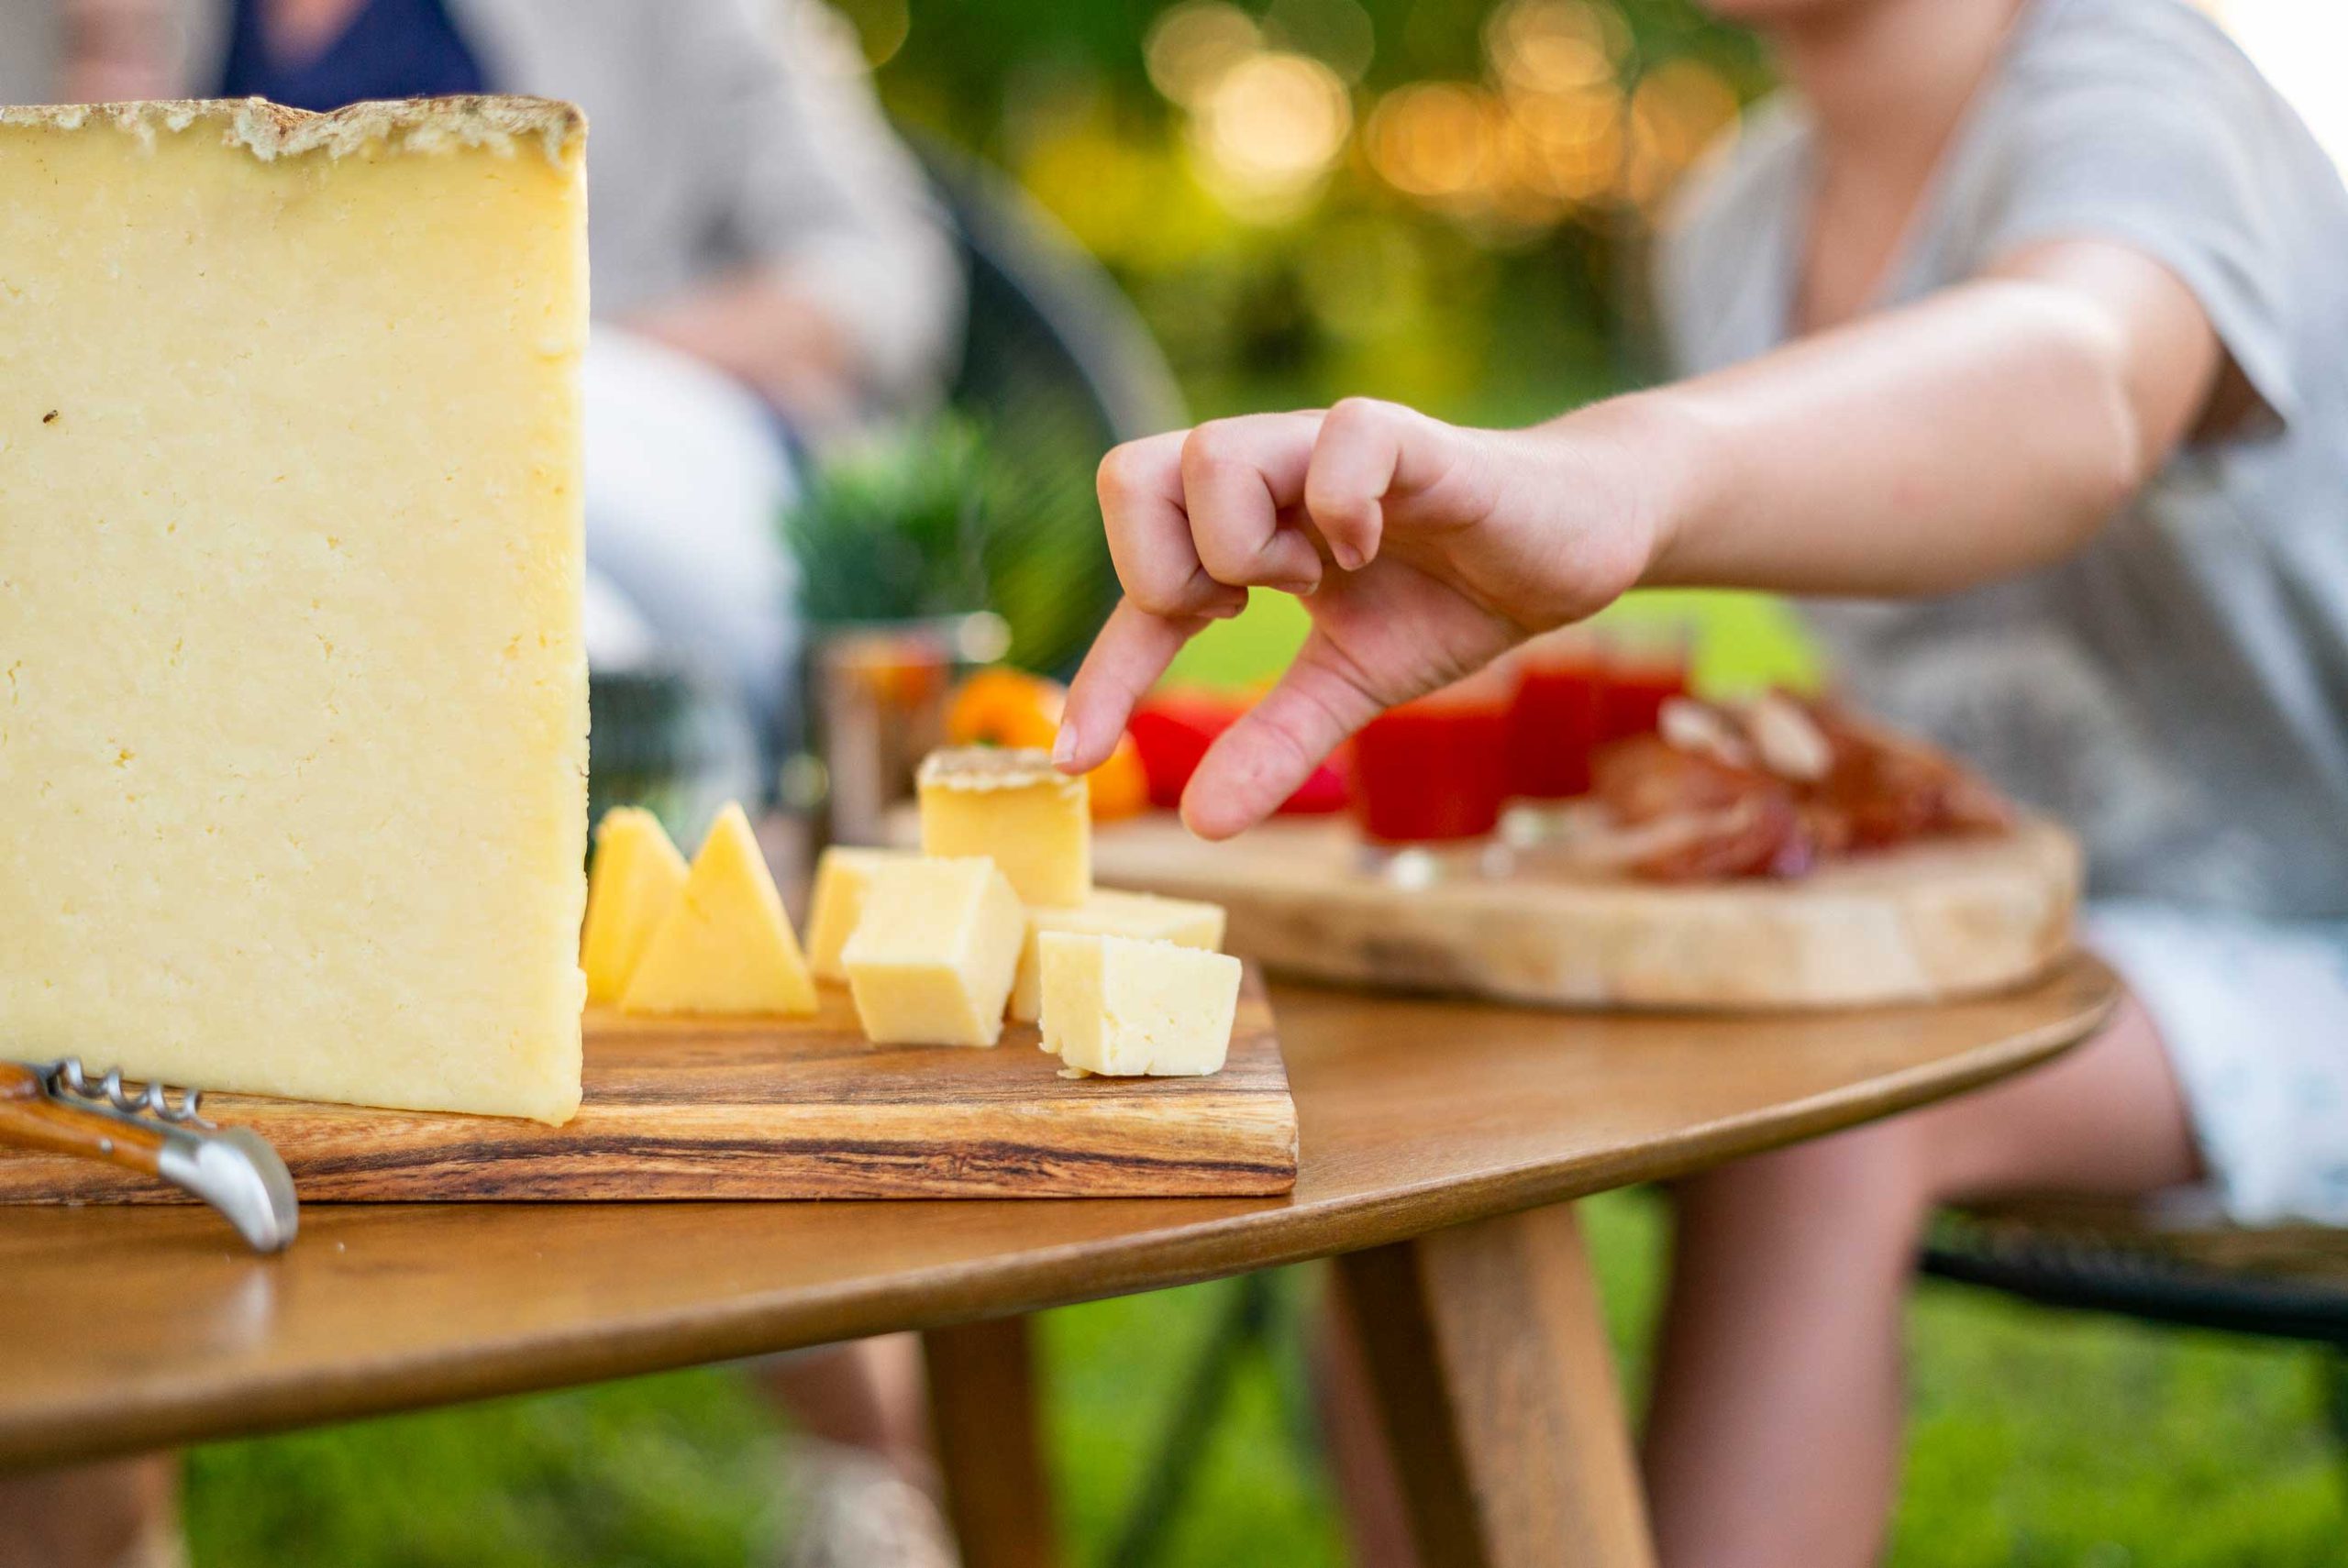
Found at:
[866, 1485]
[868, 1395]
[1773, 1435]
[120, 1515]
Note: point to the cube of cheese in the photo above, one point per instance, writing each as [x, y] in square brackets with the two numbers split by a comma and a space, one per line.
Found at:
[842, 875]
[1015, 808]
[1123, 1005]
[631, 886]
[292, 702]
[1110, 912]
[931, 962]
[725, 946]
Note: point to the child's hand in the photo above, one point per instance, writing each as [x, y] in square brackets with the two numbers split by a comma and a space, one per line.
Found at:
[1421, 551]
[1987, 430]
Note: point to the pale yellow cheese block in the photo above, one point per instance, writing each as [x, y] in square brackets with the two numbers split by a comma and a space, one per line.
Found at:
[632, 884]
[1110, 912]
[842, 875]
[725, 947]
[932, 960]
[1015, 807]
[293, 704]
[1124, 1006]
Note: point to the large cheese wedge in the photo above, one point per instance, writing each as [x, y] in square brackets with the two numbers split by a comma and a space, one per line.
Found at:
[632, 885]
[293, 705]
[842, 875]
[1119, 1005]
[932, 959]
[727, 946]
[1108, 912]
[1015, 808]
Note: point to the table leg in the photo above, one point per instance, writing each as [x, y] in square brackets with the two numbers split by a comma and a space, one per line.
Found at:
[982, 1397]
[1488, 1353]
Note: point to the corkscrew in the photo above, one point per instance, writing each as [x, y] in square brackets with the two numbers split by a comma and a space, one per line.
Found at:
[58, 1108]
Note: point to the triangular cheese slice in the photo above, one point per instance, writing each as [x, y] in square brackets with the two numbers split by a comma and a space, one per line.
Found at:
[725, 946]
[633, 884]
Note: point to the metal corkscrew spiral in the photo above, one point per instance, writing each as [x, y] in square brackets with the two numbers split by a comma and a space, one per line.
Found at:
[69, 1076]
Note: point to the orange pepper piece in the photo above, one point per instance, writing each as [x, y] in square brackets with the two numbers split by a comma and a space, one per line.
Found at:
[1121, 785]
[1006, 707]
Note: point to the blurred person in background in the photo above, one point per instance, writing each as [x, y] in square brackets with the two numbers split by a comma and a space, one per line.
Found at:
[2017, 324]
[768, 272]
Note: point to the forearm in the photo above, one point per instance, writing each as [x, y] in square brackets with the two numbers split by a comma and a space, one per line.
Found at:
[1985, 432]
[757, 328]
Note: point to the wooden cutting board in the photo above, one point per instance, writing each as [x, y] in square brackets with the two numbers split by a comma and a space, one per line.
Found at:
[776, 1108]
[1922, 923]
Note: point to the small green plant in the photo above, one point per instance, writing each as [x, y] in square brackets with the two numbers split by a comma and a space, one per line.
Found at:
[894, 528]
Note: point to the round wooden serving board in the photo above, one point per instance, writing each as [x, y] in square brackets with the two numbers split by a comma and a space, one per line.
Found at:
[1926, 922]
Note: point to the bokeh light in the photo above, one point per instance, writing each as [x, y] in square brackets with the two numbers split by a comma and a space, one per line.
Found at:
[1191, 46]
[1271, 127]
[1562, 124]
[1554, 45]
[1435, 140]
[1426, 199]
[1572, 142]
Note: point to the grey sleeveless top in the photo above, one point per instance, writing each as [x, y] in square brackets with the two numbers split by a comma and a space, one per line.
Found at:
[2179, 689]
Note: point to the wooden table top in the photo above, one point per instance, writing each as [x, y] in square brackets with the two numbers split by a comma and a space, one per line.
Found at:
[128, 1328]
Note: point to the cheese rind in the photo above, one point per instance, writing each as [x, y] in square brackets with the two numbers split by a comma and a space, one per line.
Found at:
[843, 873]
[495, 123]
[631, 886]
[292, 702]
[1111, 912]
[1015, 807]
[1122, 1006]
[932, 959]
[726, 947]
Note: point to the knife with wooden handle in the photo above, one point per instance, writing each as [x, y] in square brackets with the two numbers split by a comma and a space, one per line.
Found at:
[56, 1107]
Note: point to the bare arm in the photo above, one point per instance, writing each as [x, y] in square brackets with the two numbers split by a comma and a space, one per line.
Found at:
[777, 339]
[844, 296]
[1983, 432]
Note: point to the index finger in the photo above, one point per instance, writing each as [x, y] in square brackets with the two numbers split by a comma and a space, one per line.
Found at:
[1149, 529]
[1126, 660]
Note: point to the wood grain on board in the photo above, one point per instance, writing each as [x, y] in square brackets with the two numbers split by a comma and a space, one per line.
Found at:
[1928, 922]
[781, 1108]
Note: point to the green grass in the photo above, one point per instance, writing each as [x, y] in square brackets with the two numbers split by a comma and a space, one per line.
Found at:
[677, 1471]
[2038, 1438]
